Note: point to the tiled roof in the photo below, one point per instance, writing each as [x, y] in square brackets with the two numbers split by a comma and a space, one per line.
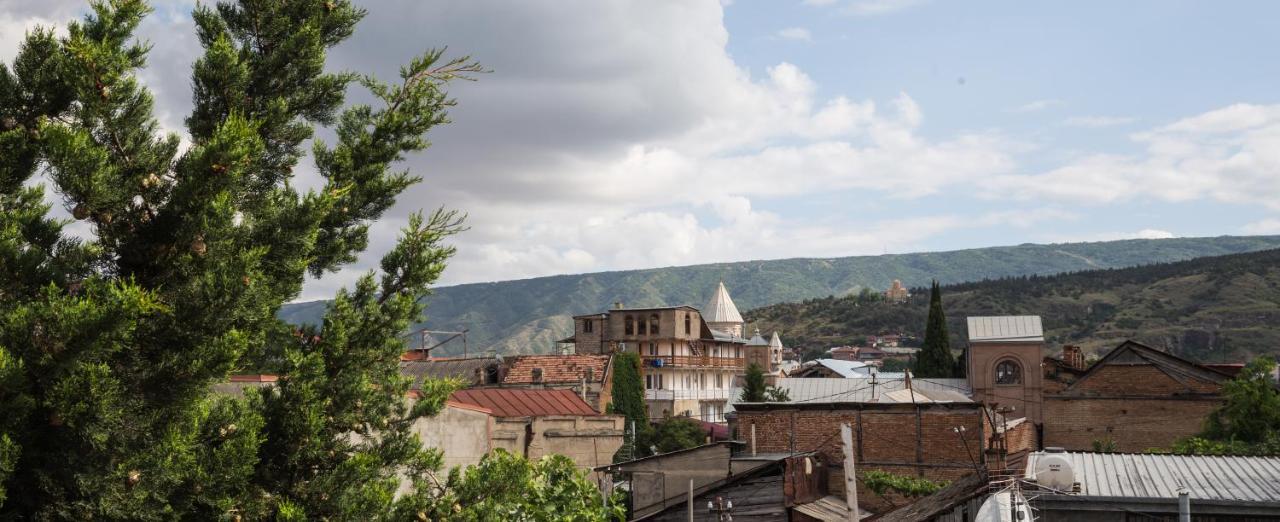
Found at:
[505, 402]
[1206, 478]
[1006, 329]
[556, 368]
[470, 370]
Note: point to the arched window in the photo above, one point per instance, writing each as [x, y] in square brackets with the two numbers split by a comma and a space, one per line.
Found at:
[688, 324]
[631, 326]
[640, 326]
[1008, 372]
[653, 324]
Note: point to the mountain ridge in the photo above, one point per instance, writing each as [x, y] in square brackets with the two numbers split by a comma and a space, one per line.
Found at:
[528, 315]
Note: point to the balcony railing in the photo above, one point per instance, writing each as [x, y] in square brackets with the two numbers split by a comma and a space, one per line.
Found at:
[686, 361]
[706, 395]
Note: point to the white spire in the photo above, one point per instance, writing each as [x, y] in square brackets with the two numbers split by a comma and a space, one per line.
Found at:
[775, 342]
[721, 310]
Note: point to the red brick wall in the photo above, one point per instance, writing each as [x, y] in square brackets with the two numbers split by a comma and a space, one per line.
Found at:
[1134, 424]
[889, 440]
[1139, 380]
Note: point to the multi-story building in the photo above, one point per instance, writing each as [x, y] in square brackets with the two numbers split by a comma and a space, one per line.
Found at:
[690, 360]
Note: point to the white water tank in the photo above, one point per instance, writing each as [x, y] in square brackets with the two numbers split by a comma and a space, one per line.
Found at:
[1053, 470]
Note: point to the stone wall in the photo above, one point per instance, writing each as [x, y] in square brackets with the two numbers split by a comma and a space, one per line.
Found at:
[1135, 424]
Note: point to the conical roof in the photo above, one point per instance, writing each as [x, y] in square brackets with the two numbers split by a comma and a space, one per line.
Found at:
[756, 340]
[775, 342]
[721, 308]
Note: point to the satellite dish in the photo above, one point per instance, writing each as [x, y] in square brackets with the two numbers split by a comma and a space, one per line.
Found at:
[1005, 506]
[1054, 471]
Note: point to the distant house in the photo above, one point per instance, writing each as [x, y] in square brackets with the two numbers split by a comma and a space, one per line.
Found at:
[831, 368]
[531, 423]
[590, 376]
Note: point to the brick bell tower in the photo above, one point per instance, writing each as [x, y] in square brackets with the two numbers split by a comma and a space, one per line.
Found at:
[1005, 354]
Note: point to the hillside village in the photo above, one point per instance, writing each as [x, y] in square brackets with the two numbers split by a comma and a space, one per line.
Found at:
[1030, 423]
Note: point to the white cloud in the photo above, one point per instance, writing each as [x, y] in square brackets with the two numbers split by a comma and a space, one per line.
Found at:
[1097, 121]
[819, 2]
[1267, 226]
[795, 33]
[878, 7]
[1036, 105]
[1229, 155]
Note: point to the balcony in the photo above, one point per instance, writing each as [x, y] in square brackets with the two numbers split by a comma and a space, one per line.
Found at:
[704, 395]
[693, 361]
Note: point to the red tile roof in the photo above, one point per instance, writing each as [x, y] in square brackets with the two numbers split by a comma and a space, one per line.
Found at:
[556, 368]
[254, 378]
[524, 403]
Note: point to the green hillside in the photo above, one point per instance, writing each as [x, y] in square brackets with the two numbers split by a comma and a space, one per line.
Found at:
[528, 315]
[1212, 309]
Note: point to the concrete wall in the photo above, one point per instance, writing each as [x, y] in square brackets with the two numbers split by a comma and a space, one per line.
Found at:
[462, 434]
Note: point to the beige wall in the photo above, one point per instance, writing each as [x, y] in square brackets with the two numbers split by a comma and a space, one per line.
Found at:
[589, 441]
[462, 434]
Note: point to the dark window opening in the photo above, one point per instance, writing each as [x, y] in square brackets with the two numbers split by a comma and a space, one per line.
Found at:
[653, 324]
[1008, 372]
[631, 326]
[537, 375]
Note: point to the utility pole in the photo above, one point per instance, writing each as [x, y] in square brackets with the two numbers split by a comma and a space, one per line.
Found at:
[690, 500]
[850, 472]
[1184, 505]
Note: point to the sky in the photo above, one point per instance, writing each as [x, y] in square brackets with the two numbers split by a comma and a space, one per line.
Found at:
[617, 134]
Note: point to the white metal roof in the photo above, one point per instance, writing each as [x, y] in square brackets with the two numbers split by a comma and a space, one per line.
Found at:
[757, 340]
[775, 341]
[860, 389]
[720, 309]
[1206, 477]
[1006, 328]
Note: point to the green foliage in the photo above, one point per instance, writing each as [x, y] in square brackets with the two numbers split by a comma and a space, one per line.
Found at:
[508, 487]
[549, 302]
[935, 359]
[753, 386]
[677, 433]
[776, 394]
[883, 482]
[1248, 422]
[109, 346]
[895, 365]
[628, 401]
[1105, 445]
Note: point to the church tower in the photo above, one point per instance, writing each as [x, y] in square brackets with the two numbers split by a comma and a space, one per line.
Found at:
[721, 314]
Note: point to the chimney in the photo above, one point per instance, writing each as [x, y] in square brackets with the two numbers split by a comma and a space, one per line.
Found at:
[1073, 357]
[617, 305]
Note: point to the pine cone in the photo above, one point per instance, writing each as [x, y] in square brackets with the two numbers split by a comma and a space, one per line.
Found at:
[80, 212]
[134, 477]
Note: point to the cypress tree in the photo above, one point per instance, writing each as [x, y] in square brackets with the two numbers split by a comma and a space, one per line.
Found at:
[628, 401]
[935, 359]
[753, 386]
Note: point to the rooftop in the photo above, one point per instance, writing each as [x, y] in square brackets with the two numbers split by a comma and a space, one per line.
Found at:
[556, 368]
[720, 309]
[861, 389]
[1147, 476]
[505, 402]
[468, 369]
[1006, 329]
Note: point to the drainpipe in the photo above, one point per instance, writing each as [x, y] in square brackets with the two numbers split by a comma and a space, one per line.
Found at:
[1184, 506]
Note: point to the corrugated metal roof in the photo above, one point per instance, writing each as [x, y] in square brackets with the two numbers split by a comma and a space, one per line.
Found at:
[525, 403]
[1206, 477]
[720, 309]
[1006, 328]
[860, 389]
[468, 369]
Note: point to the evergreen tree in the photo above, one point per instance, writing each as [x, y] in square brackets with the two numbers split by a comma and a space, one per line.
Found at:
[753, 386]
[677, 433]
[628, 401]
[935, 359]
[109, 346]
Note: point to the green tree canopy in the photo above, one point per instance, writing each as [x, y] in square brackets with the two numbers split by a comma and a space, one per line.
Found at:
[753, 386]
[935, 358]
[677, 433]
[109, 345]
[1248, 422]
[628, 401]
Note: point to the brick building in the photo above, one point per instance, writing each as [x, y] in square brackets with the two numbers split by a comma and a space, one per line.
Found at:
[588, 376]
[1136, 397]
[916, 439]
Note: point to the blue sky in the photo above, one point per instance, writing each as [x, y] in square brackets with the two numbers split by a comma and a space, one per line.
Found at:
[644, 133]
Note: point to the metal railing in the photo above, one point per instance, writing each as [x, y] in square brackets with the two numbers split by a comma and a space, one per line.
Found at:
[661, 395]
[684, 361]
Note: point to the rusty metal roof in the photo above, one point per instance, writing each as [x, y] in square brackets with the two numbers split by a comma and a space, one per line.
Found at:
[525, 403]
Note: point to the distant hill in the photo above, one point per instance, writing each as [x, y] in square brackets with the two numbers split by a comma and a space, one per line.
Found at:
[1211, 309]
[529, 315]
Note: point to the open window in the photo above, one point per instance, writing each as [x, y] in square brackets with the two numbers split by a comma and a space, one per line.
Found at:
[1008, 371]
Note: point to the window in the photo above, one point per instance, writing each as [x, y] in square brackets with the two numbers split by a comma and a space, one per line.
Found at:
[688, 324]
[537, 375]
[648, 382]
[640, 326]
[660, 387]
[631, 326]
[719, 381]
[1008, 372]
[653, 324]
[589, 374]
[653, 348]
[586, 326]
